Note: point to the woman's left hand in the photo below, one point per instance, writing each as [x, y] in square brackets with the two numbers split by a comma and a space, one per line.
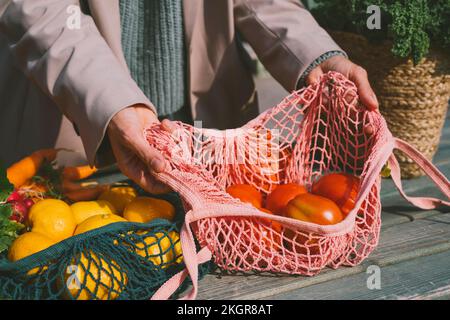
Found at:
[353, 72]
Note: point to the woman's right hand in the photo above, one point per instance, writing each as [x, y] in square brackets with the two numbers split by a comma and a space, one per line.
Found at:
[135, 158]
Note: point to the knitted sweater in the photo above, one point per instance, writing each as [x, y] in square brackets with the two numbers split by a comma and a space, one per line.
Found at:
[153, 45]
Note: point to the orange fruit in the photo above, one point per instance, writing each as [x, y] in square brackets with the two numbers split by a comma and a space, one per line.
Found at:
[27, 244]
[94, 278]
[158, 249]
[97, 221]
[278, 199]
[86, 209]
[246, 193]
[119, 197]
[52, 218]
[145, 209]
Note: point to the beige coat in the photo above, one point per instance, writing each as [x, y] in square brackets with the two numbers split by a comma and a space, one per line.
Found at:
[48, 69]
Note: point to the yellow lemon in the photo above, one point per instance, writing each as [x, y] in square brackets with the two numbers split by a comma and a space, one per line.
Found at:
[94, 278]
[97, 221]
[178, 252]
[86, 209]
[157, 249]
[119, 197]
[28, 244]
[145, 209]
[52, 218]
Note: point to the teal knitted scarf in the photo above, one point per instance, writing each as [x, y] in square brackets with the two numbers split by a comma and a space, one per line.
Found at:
[153, 44]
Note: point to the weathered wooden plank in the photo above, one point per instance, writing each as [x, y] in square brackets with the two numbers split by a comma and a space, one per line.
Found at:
[422, 278]
[398, 243]
[442, 162]
[390, 219]
[394, 204]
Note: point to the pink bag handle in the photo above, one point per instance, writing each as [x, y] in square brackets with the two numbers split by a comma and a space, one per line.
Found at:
[438, 178]
[192, 260]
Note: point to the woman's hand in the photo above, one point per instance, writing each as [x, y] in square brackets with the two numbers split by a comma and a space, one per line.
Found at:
[135, 158]
[352, 71]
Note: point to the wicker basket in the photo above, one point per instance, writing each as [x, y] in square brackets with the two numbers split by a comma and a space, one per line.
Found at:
[413, 99]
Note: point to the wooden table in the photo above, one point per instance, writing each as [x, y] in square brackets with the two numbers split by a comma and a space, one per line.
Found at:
[413, 255]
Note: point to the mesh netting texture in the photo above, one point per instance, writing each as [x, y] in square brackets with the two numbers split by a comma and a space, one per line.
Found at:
[314, 131]
[119, 261]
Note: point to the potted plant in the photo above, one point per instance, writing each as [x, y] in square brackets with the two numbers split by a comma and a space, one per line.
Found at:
[407, 58]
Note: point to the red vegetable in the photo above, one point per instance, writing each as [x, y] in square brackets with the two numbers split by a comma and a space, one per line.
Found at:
[28, 203]
[342, 188]
[312, 208]
[20, 211]
[278, 199]
[246, 193]
[14, 196]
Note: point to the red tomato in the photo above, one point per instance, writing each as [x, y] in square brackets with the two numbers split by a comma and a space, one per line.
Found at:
[275, 225]
[266, 166]
[268, 235]
[246, 193]
[302, 243]
[312, 208]
[342, 188]
[278, 199]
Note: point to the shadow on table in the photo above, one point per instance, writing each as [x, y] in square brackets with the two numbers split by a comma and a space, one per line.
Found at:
[410, 210]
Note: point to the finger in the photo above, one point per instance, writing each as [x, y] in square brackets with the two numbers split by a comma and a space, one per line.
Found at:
[149, 155]
[159, 188]
[359, 76]
[138, 172]
[156, 162]
[168, 126]
[314, 76]
[152, 185]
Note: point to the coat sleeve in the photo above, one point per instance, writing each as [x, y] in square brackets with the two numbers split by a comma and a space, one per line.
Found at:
[284, 35]
[74, 66]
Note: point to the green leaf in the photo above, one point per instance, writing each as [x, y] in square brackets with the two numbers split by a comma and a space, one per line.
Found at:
[51, 178]
[5, 211]
[9, 230]
[412, 25]
[5, 186]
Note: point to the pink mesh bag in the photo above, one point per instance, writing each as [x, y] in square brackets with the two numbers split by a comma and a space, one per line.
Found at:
[317, 130]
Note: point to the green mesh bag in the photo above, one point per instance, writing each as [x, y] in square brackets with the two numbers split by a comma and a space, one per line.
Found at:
[119, 261]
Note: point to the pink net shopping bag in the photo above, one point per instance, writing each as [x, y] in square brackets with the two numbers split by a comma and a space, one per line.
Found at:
[317, 130]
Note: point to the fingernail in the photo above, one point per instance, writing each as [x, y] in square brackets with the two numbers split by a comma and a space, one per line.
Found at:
[314, 81]
[167, 125]
[157, 164]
